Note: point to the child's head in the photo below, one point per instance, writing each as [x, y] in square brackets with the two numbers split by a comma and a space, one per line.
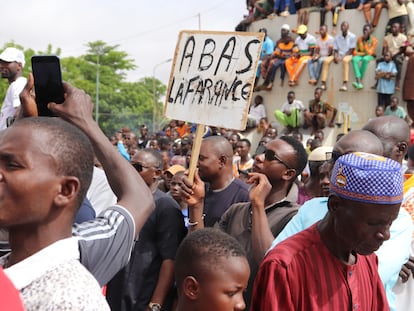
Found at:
[258, 100]
[291, 97]
[297, 135]
[319, 134]
[379, 111]
[316, 142]
[387, 56]
[211, 272]
[394, 102]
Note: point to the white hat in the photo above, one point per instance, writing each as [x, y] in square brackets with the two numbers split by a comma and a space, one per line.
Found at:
[12, 55]
[285, 27]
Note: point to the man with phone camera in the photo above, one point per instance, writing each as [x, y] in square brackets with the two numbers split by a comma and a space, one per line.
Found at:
[11, 68]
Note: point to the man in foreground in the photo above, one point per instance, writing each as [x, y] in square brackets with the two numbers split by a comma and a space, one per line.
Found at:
[33, 161]
[331, 265]
[105, 243]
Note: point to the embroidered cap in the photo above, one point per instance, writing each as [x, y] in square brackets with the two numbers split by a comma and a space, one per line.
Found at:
[367, 178]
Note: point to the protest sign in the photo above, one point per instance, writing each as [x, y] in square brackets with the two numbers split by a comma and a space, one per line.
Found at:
[212, 77]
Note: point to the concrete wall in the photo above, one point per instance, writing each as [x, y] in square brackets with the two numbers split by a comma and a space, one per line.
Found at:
[362, 102]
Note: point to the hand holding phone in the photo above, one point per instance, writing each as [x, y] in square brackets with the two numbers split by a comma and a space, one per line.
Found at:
[48, 82]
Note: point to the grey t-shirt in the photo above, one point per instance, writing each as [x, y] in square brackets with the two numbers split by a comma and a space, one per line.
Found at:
[105, 243]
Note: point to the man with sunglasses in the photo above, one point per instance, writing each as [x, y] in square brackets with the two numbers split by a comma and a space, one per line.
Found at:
[273, 196]
[146, 283]
[390, 260]
[331, 265]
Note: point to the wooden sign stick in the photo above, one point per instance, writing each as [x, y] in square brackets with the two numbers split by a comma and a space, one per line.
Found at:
[195, 151]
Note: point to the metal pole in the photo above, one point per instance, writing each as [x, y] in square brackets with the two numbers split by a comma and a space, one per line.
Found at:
[97, 90]
[154, 101]
[155, 105]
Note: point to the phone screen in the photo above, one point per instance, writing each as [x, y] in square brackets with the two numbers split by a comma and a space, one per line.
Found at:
[48, 82]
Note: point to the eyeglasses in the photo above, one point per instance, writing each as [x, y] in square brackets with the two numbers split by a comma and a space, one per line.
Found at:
[270, 155]
[139, 167]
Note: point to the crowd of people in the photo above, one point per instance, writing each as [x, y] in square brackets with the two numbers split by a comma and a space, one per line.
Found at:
[90, 222]
[292, 54]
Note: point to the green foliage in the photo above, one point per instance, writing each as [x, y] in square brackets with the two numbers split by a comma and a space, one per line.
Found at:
[121, 103]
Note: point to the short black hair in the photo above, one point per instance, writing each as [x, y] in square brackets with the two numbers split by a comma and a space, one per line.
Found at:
[246, 141]
[158, 163]
[301, 156]
[200, 253]
[69, 146]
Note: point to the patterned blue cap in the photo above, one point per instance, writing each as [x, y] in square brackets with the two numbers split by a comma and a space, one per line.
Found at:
[367, 178]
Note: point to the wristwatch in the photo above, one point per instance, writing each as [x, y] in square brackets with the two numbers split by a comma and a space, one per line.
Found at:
[153, 306]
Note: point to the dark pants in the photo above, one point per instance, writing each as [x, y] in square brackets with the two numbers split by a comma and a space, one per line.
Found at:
[384, 100]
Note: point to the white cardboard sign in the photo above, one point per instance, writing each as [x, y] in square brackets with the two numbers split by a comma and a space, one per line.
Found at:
[212, 77]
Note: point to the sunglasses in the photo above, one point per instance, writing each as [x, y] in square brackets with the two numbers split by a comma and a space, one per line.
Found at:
[139, 167]
[270, 155]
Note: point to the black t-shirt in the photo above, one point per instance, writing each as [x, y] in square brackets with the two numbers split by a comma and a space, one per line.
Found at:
[217, 202]
[132, 287]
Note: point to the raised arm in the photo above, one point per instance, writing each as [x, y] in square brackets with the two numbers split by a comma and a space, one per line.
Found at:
[126, 183]
[262, 236]
[193, 194]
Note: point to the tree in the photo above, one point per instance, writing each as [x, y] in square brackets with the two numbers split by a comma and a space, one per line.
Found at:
[121, 103]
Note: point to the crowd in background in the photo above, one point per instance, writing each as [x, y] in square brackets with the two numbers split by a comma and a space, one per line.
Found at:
[308, 226]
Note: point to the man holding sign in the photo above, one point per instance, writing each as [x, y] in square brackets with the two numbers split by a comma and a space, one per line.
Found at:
[212, 77]
[211, 84]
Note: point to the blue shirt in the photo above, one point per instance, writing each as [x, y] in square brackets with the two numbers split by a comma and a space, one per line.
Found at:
[385, 86]
[267, 47]
[391, 255]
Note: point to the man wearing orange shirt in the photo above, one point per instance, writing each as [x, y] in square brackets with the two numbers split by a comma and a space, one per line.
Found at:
[364, 53]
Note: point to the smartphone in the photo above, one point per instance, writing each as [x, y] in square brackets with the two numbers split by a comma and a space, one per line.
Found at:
[47, 82]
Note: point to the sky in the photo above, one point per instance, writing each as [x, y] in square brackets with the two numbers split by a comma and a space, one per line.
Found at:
[146, 30]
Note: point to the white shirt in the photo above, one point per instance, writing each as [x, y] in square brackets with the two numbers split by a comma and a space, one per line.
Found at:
[100, 193]
[54, 279]
[325, 44]
[11, 101]
[295, 104]
[257, 112]
[343, 44]
[305, 44]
